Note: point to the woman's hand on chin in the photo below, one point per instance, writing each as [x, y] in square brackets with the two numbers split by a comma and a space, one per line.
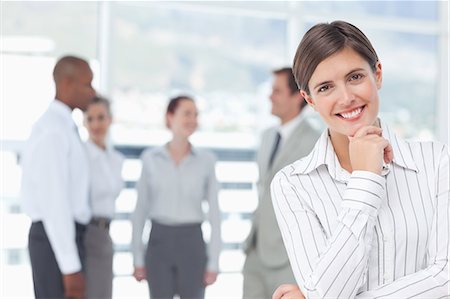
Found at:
[368, 149]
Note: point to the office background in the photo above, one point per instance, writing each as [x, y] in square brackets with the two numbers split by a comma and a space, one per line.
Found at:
[220, 52]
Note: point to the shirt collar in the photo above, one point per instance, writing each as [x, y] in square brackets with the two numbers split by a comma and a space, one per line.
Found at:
[64, 111]
[164, 151]
[402, 150]
[323, 154]
[286, 129]
[95, 148]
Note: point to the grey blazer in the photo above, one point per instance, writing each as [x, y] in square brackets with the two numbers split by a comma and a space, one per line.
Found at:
[265, 229]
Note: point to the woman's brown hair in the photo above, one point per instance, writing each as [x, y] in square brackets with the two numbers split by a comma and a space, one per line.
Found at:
[103, 101]
[174, 103]
[324, 40]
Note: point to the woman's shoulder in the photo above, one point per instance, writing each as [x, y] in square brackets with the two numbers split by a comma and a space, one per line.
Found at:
[428, 150]
[429, 145]
[92, 150]
[150, 152]
[426, 143]
[117, 156]
[204, 154]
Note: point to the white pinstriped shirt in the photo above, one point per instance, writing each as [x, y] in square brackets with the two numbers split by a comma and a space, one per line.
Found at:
[363, 235]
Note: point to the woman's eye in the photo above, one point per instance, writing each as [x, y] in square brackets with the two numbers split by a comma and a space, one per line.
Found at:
[323, 88]
[355, 77]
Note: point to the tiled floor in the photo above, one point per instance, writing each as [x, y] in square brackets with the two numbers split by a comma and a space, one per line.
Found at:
[16, 283]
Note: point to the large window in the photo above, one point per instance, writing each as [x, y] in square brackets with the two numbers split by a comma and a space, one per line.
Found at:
[409, 96]
[419, 10]
[223, 60]
[33, 35]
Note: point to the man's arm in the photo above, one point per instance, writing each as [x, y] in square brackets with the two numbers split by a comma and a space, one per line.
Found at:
[50, 158]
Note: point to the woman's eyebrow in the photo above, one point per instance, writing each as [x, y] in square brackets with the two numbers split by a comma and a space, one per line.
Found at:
[322, 83]
[329, 81]
[354, 70]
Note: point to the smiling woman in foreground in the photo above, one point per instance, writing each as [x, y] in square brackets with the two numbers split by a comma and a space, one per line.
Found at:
[366, 213]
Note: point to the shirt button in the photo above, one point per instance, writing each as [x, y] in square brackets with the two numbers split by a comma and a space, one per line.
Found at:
[387, 277]
[385, 239]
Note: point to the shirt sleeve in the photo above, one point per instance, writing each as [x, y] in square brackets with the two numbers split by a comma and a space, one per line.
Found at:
[432, 282]
[139, 216]
[51, 164]
[214, 218]
[328, 266]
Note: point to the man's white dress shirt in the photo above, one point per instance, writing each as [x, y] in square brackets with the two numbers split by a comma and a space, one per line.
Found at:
[363, 235]
[55, 182]
[288, 128]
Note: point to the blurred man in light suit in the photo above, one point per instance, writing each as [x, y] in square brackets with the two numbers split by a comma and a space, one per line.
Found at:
[267, 264]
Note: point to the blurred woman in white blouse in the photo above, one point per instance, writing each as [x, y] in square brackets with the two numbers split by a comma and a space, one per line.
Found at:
[176, 178]
[106, 184]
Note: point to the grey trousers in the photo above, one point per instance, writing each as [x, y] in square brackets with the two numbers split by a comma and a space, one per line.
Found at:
[261, 281]
[176, 261]
[99, 262]
[47, 278]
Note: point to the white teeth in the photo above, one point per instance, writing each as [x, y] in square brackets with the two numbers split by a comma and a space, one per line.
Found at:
[351, 114]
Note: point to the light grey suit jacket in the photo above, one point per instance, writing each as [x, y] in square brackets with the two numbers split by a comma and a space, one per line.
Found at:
[265, 236]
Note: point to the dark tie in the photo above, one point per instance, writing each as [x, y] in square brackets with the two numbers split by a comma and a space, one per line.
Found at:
[275, 149]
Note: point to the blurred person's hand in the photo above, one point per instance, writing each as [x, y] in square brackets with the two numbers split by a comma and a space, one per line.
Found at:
[288, 291]
[74, 285]
[209, 278]
[139, 273]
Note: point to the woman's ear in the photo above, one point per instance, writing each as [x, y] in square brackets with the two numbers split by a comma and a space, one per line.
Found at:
[378, 74]
[307, 98]
[168, 120]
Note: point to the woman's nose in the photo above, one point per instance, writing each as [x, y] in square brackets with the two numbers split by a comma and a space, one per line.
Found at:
[346, 96]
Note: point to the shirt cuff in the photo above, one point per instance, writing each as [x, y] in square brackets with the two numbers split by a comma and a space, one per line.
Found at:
[213, 267]
[70, 264]
[364, 192]
[139, 261]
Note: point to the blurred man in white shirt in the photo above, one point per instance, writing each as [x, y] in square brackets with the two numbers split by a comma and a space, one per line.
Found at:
[55, 186]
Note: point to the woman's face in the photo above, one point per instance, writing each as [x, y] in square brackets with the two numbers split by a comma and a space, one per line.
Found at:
[344, 90]
[97, 121]
[183, 122]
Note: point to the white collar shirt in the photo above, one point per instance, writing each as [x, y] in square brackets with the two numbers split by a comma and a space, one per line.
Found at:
[173, 194]
[363, 235]
[55, 182]
[286, 129]
[106, 179]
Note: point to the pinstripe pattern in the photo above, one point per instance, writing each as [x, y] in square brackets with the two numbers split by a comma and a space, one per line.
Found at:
[362, 235]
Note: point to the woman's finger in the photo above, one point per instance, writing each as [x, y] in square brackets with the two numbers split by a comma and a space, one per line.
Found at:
[366, 130]
[283, 289]
[388, 154]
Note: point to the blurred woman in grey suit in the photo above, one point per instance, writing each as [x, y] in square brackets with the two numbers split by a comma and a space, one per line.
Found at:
[106, 184]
